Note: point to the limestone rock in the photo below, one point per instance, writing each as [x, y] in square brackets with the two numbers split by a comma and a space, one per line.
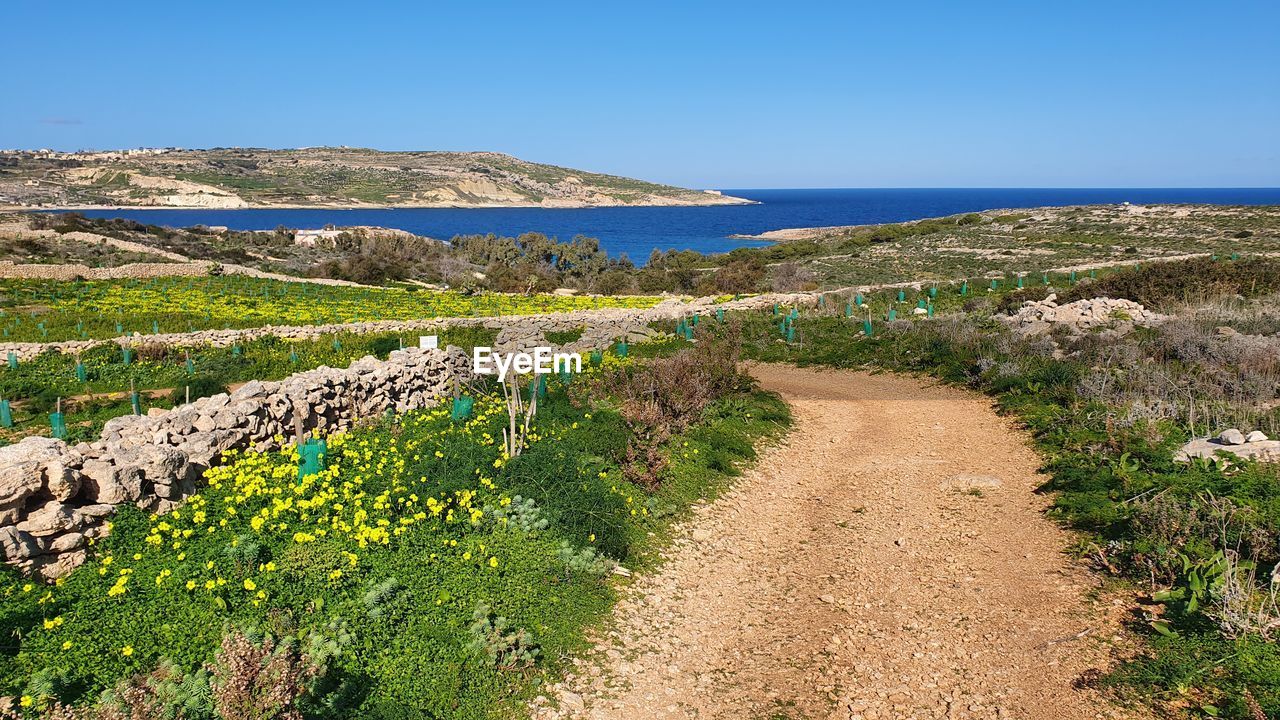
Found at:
[56, 566]
[64, 543]
[17, 545]
[53, 517]
[1231, 437]
[22, 464]
[61, 480]
[101, 482]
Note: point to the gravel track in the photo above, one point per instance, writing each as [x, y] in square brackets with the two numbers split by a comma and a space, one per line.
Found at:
[889, 559]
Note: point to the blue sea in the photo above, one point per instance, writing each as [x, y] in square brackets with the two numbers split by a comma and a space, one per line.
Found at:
[637, 231]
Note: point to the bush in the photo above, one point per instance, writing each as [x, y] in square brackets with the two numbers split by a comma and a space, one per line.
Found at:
[1165, 285]
[615, 282]
[664, 396]
[739, 276]
[200, 386]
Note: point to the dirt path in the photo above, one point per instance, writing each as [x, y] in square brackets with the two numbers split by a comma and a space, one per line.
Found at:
[889, 560]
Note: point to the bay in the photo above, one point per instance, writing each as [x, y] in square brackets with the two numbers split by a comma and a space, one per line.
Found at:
[636, 231]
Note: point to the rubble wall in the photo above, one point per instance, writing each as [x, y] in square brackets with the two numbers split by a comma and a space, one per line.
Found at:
[55, 497]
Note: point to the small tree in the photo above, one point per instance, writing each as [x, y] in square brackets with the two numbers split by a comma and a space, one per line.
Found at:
[519, 413]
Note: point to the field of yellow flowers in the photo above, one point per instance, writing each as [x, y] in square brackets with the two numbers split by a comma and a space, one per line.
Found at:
[41, 311]
[434, 575]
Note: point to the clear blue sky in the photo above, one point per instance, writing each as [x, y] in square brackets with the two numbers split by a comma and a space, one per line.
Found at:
[742, 94]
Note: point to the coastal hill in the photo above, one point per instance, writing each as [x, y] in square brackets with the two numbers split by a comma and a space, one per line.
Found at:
[315, 177]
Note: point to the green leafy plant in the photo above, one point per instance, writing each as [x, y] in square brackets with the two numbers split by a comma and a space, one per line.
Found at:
[500, 644]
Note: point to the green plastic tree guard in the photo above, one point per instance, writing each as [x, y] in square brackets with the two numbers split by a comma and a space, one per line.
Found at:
[719, 314]
[136, 402]
[866, 327]
[461, 408]
[58, 425]
[933, 291]
[791, 334]
[857, 299]
[13, 360]
[6, 414]
[902, 296]
[893, 314]
[848, 309]
[623, 349]
[235, 351]
[155, 327]
[127, 355]
[81, 375]
[964, 288]
[311, 457]
[597, 357]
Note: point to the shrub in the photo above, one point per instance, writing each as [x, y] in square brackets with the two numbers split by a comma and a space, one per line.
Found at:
[201, 386]
[790, 277]
[664, 396]
[1165, 285]
[739, 276]
[495, 639]
[615, 282]
[258, 681]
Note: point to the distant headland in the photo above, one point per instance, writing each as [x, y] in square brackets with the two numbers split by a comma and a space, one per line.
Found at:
[321, 177]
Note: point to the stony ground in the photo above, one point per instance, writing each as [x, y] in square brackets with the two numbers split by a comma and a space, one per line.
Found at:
[889, 560]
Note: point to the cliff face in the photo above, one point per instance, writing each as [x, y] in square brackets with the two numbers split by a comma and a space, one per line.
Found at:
[316, 177]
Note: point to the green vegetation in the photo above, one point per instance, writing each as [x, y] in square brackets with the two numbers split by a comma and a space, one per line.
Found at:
[39, 311]
[422, 573]
[978, 245]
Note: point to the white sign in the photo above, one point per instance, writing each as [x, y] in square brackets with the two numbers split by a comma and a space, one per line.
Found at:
[542, 360]
[428, 342]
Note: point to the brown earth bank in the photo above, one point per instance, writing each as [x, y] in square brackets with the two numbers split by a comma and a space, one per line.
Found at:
[889, 559]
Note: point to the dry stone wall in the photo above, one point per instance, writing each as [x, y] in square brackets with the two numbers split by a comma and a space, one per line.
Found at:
[55, 498]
